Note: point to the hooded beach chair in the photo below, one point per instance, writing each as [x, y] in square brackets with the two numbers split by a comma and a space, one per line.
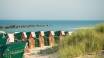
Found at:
[61, 35]
[51, 38]
[31, 39]
[41, 39]
[56, 36]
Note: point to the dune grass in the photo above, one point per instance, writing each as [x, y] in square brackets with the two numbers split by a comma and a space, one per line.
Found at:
[82, 42]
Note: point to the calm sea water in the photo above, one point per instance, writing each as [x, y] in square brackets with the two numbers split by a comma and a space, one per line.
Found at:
[55, 25]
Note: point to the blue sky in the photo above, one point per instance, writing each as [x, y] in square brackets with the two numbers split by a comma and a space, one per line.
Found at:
[52, 9]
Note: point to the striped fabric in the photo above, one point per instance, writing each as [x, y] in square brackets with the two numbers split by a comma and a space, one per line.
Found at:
[42, 33]
[24, 34]
[33, 34]
[62, 32]
[10, 38]
[52, 32]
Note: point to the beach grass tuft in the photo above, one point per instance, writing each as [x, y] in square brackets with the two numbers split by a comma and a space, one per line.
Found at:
[82, 42]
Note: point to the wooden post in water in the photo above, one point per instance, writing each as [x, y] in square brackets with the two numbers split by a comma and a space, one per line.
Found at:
[24, 36]
[31, 40]
[51, 38]
[41, 39]
[62, 33]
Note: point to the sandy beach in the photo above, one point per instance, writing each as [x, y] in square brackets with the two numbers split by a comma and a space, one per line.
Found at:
[40, 53]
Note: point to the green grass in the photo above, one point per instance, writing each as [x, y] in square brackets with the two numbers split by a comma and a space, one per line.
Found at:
[82, 42]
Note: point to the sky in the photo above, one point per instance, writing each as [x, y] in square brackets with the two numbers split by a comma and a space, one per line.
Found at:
[52, 9]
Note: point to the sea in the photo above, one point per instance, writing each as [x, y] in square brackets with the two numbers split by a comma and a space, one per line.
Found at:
[46, 25]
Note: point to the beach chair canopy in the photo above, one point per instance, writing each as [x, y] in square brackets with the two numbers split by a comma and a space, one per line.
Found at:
[2, 32]
[10, 38]
[28, 34]
[69, 33]
[2, 35]
[42, 33]
[52, 32]
[57, 33]
[37, 34]
[62, 32]
[24, 34]
[46, 33]
[18, 35]
[33, 34]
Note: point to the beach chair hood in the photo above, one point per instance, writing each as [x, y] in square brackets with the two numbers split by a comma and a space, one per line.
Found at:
[10, 38]
[24, 34]
[42, 33]
[33, 34]
[69, 33]
[52, 32]
[62, 32]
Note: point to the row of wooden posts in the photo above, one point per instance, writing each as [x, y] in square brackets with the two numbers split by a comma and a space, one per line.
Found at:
[32, 35]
